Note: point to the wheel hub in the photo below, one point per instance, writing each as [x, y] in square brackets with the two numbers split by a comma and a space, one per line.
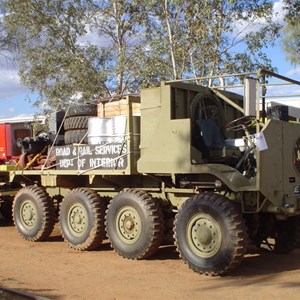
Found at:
[78, 220]
[128, 224]
[204, 235]
[28, 214]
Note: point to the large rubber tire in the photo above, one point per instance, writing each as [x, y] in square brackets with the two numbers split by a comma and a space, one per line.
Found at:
[210, 234]
[169, 216]
[82, 110]
[76, 136]
[82, 219]
[34, 213]
[134, 224]
[72, 123]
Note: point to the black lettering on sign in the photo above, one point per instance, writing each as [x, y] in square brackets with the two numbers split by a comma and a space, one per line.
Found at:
[87, 157]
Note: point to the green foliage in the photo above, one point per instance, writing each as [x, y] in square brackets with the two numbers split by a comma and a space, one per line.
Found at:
[52, 61]
[291, 38]
[7, 41]
[206, 37]
[80, 50]
[292, 10]
[120, 24]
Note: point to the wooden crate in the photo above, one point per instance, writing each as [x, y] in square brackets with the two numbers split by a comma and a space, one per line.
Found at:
[119, 107]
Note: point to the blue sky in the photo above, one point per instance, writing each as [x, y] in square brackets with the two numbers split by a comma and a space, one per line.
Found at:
[13, 96]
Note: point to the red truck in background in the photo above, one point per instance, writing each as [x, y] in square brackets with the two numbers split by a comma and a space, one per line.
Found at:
[9, 134]
[5, 142]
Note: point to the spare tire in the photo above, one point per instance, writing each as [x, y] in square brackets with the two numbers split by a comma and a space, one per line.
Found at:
[80, 122]
[76, 136]
[82, 110]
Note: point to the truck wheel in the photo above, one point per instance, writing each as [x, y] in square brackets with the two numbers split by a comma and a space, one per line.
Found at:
[210, 234]
[134, 224]
[34, 213]
[82, 219]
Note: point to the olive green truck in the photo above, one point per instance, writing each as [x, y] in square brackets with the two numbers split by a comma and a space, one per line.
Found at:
[204, 168]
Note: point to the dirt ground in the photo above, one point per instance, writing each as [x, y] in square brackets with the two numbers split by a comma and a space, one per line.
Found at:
[51, 269]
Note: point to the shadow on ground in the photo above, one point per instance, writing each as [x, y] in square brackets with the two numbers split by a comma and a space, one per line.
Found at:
[18, 294]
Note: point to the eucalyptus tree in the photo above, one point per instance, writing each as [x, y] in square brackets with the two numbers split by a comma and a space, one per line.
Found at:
[212, 36]
[120, 23]
[7, 42]
[73, 50]
[80, 50]
[291, 38]
[52, 59]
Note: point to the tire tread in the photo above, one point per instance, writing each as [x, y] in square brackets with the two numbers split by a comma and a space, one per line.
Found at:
[97, 233]
[235, 223]
[150, 206]
[47, 209]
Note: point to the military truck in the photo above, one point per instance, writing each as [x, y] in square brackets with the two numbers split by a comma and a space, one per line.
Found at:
[201, 167]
